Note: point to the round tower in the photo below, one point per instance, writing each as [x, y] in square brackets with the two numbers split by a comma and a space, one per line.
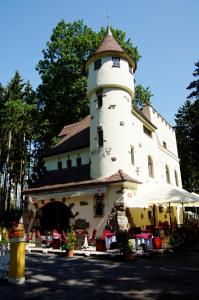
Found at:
[110, 88]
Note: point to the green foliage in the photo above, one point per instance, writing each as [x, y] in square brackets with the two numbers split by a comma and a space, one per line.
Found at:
[187, 132]
[4, 236]
[142, 96]
[71, 239]
[194, 85]
[11, 217]
[19, 134]
[126, 244]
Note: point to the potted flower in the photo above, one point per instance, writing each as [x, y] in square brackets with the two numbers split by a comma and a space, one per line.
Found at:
[69, 245]
[127, 249]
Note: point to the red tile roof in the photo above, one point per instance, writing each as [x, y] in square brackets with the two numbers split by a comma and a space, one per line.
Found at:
[71, 129]
[76, 178]
[73, 136]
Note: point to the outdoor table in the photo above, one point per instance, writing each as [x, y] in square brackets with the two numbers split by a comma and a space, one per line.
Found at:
[144, 239]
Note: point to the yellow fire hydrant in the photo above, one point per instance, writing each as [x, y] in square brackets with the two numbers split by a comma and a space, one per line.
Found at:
[16, 272]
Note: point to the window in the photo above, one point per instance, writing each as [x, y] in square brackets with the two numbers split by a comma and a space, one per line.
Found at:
[97, 64]
[150, 166]
[130, 69]
[99, 204]
[100, 137]
[176, 178]
[164, 144]
[79, 161]
[116, 62]
[132, 156]
[69, 163]
[147, 131]
[167, 174]
[99, 101]
[59, 165]
[99, 94]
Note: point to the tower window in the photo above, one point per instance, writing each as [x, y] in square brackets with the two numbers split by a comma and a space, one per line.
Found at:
[79, 161]
[59, 165]
[99, 101]
[116, 62]
[97, 64]
[150, 166]
[130, 69]
[167, 175]
[99, 94]
[100, 137]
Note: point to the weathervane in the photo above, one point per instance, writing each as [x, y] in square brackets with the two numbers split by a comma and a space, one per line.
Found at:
[108, 18]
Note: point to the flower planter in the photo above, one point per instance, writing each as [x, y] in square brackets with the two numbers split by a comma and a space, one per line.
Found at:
[18, 231]
[157, 243]
[129, 256]
[70, 252]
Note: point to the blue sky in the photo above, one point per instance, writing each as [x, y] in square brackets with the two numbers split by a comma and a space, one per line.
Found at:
[166, 33]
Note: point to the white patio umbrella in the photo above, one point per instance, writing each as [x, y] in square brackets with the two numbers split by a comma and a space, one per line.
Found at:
[165, 194]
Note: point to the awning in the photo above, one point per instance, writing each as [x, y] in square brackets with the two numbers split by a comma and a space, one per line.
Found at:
[164, 194]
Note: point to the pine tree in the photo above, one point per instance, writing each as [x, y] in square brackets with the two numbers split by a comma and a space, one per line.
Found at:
[187, 132]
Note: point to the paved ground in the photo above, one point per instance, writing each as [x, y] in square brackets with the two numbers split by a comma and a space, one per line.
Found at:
[51, 276]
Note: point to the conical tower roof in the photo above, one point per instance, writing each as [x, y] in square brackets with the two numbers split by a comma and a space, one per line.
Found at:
[109, 46]
[109, 43]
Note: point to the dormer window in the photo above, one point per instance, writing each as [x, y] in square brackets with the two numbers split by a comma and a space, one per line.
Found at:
[79, 161]
[97, 64]
[69, 163]
[59, 165]
[116, 62]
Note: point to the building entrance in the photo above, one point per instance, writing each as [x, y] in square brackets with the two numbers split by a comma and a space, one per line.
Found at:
[55, 215]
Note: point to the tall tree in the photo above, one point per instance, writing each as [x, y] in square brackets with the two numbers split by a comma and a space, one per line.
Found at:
[194, 85]
[187, 132]
[17, 117]
[62, 93]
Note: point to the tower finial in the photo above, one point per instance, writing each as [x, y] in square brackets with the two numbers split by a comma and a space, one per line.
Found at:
[108, 18]
[108, 31]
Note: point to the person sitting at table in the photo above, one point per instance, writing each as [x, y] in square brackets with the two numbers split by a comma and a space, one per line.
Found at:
[108, 236]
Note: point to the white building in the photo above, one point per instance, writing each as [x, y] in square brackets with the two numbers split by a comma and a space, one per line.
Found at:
[118, 153]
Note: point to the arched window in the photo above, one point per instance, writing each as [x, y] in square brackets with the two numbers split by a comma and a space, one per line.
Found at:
[150, 166]
[98, 204]
[132, 155]
[167, 174]
[100, 136]
[97, 64]
[176, 178]
[99, 94]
